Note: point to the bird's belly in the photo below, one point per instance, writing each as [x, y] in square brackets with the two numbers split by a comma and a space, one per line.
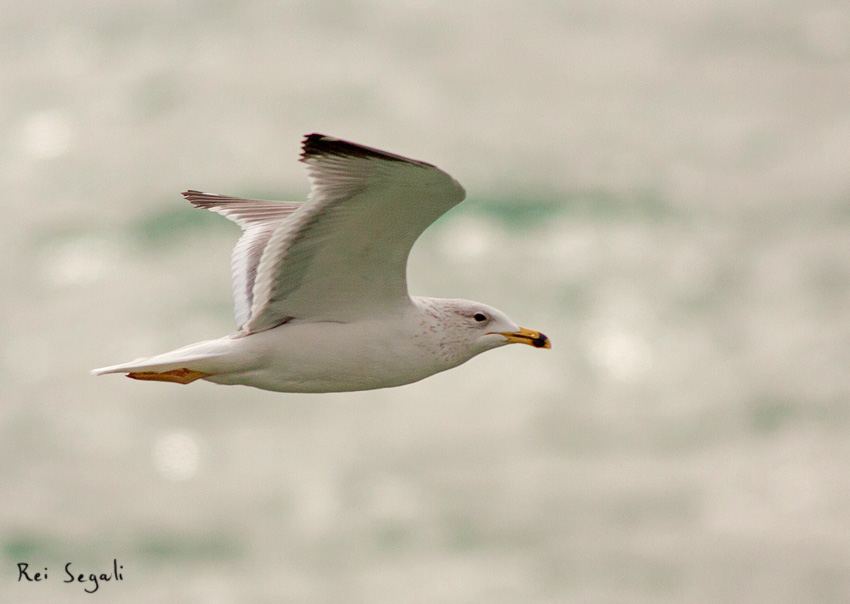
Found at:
[329, 357]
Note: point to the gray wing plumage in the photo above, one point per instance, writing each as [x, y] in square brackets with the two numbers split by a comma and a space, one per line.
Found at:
[342, 255]
[258, 219]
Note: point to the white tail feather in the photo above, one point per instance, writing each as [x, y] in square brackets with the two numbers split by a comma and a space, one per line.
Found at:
[198, 357]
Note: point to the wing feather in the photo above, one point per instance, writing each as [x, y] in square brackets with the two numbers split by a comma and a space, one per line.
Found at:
[343, 255]
[259, 219]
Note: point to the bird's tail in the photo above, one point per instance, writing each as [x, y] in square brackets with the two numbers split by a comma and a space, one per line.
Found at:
[181, 366]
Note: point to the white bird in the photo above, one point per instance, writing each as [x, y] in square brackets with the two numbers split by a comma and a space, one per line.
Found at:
[320, 287]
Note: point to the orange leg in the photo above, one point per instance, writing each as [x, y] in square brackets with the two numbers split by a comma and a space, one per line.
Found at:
[176, 376]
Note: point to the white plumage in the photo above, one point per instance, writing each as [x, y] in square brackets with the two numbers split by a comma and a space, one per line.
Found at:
[320, 289]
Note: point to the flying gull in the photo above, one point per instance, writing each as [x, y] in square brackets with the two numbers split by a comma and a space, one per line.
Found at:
[320, 286]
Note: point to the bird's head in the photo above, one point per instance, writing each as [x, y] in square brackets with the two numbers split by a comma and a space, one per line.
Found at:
[481, 327]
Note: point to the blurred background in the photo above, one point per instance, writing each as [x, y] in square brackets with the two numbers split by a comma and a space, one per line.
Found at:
[660, 187]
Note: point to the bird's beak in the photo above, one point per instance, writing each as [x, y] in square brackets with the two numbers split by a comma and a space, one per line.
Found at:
[527, 336]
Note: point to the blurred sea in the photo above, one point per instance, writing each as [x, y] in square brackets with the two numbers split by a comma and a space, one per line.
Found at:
[663, 188]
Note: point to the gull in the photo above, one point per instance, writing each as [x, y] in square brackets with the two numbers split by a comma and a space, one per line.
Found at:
[320, 287]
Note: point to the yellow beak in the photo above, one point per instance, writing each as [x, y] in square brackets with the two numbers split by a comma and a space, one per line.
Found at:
[527, 336]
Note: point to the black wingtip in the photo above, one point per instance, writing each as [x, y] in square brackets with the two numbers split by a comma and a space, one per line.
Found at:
[201, 200]
[318, 145]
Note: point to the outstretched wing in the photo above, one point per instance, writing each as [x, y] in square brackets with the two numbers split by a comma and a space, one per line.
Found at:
[258, 219]
[343, 255]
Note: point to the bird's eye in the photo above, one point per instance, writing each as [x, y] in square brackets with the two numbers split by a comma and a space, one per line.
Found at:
[479, 317]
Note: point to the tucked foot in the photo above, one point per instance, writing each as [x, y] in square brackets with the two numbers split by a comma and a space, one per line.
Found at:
[177, 376]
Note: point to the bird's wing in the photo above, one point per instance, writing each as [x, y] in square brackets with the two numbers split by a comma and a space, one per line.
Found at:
[258, 219]
[343, 255]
